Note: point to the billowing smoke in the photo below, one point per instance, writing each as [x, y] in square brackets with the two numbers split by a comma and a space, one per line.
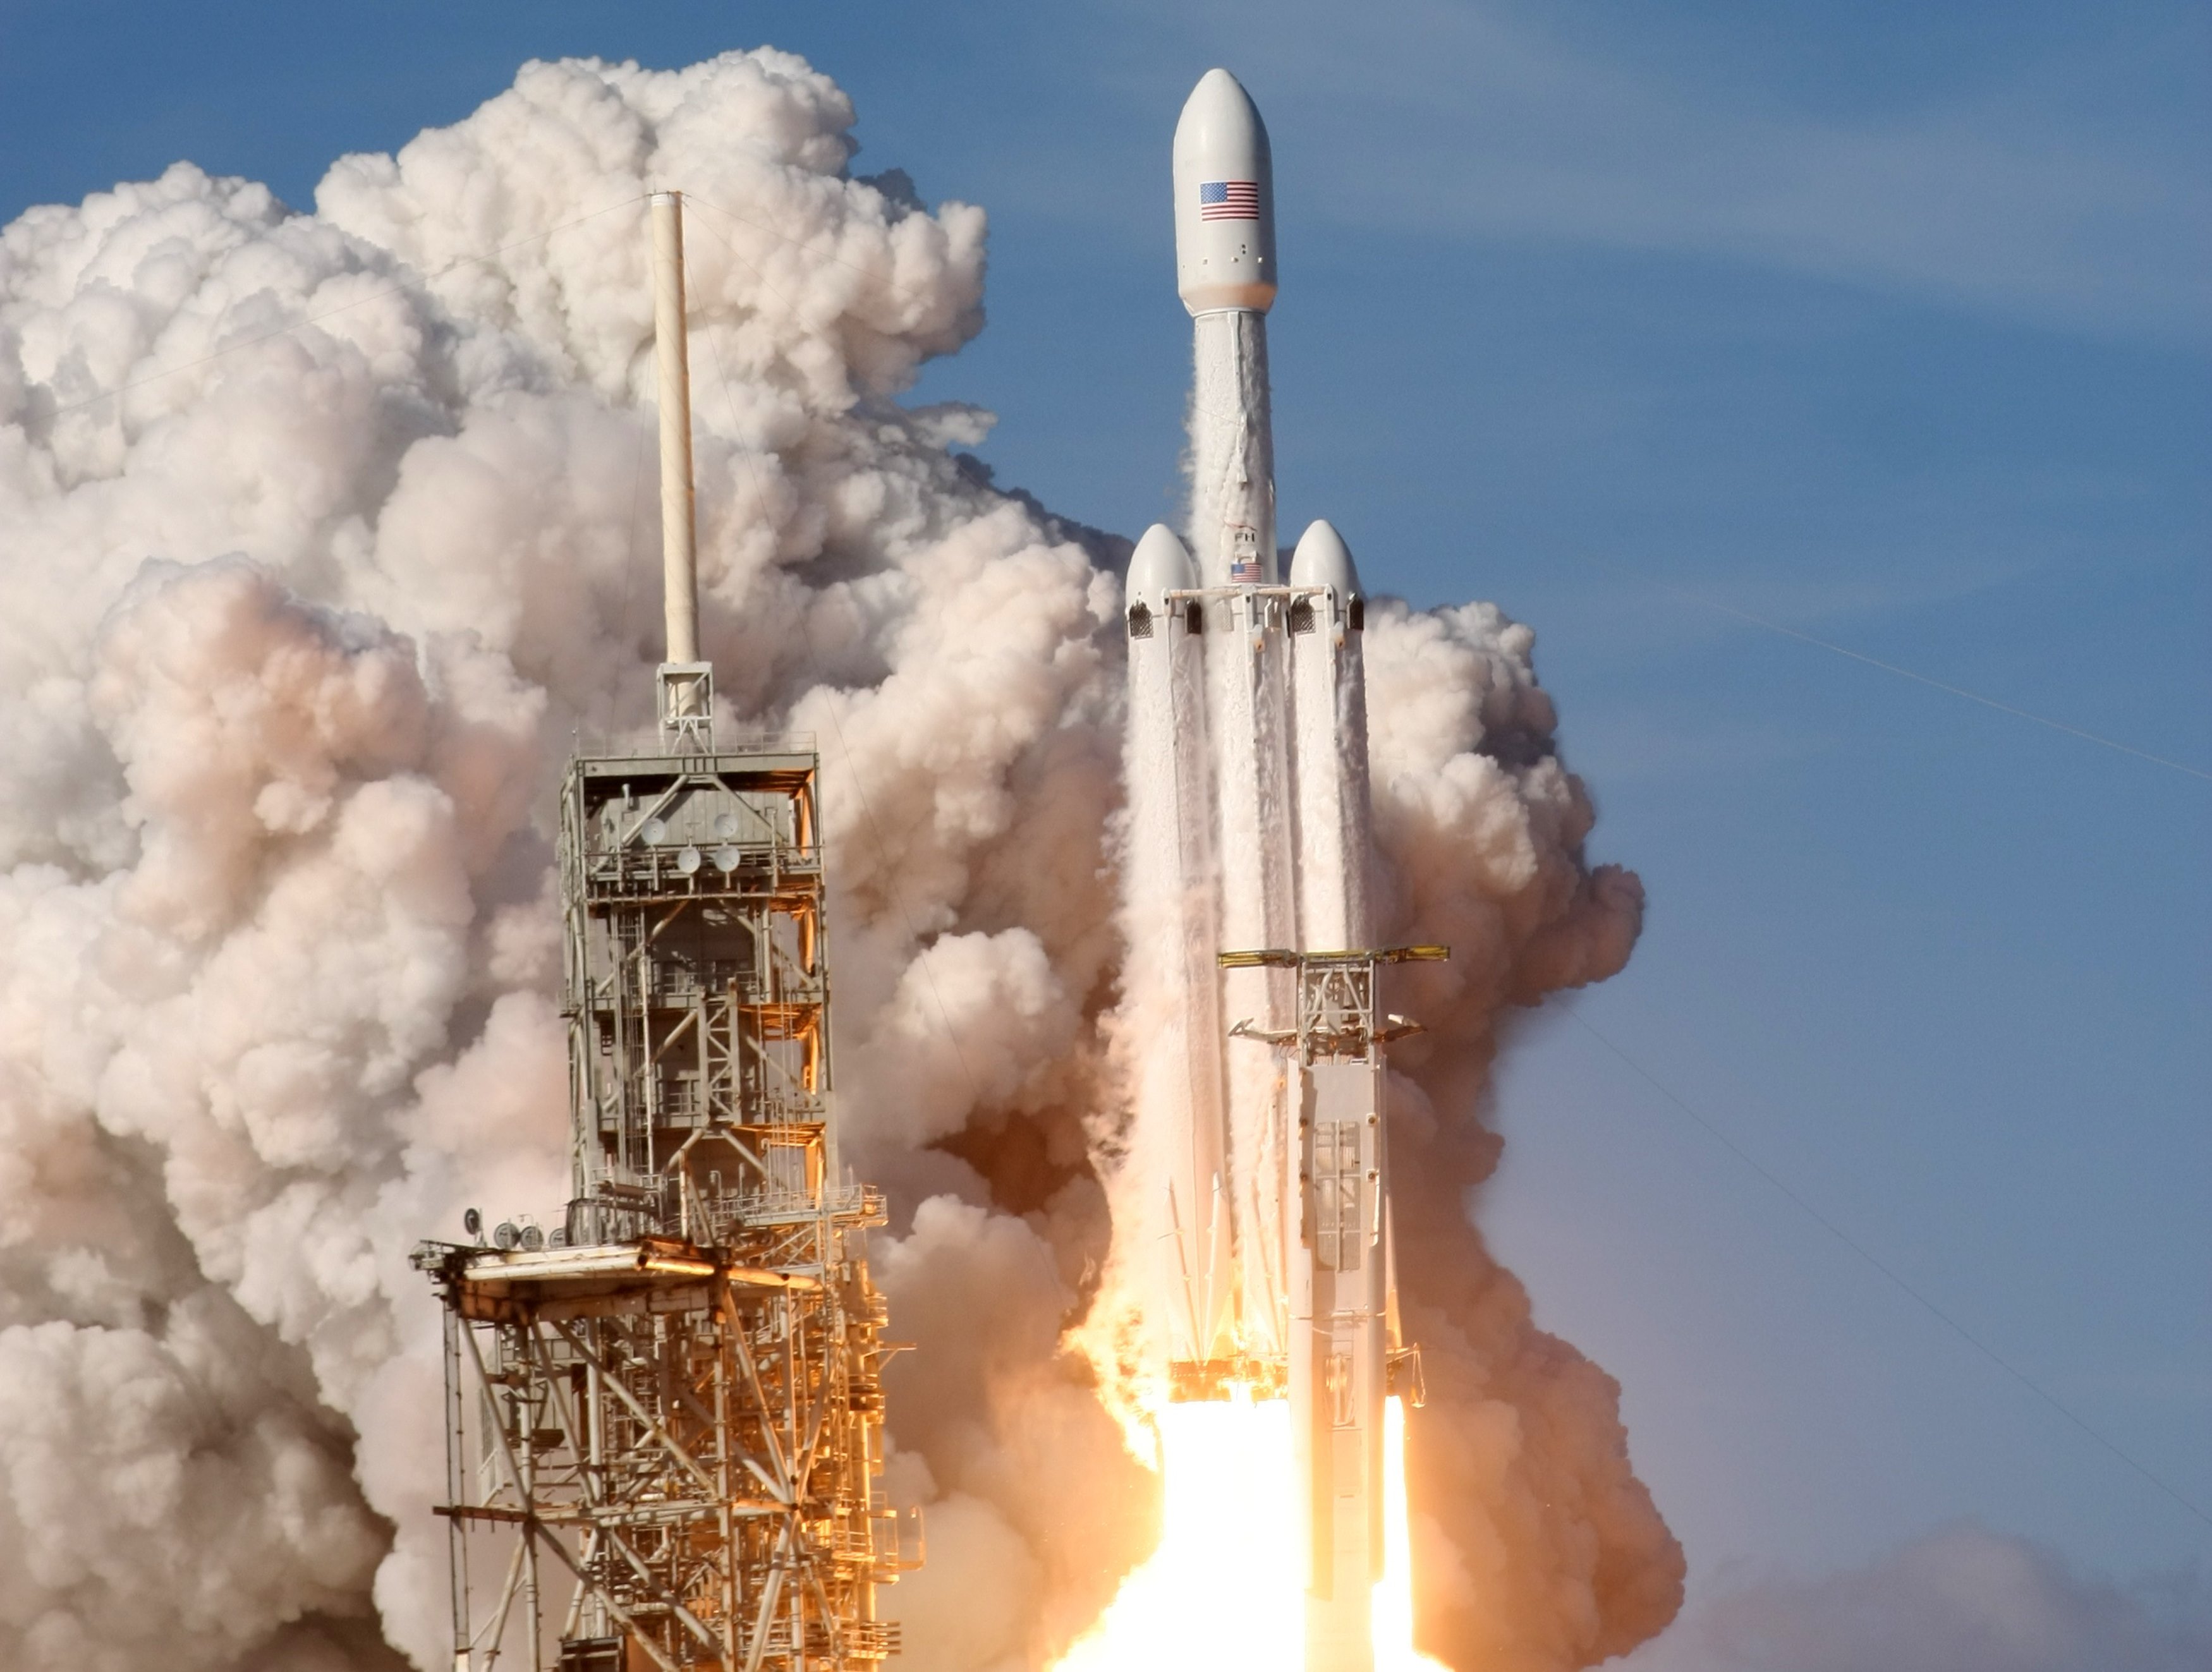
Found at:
[321, 539]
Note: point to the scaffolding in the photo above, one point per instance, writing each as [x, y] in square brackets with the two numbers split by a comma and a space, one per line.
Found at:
[665, 1414]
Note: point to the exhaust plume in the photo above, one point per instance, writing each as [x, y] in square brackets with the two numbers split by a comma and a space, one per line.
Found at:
[321, 535]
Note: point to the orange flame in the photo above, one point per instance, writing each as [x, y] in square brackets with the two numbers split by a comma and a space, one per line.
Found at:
[1222, 1587]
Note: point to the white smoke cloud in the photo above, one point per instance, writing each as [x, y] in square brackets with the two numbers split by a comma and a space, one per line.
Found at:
[295, 632]
[1962, 1599]
[127, 1456]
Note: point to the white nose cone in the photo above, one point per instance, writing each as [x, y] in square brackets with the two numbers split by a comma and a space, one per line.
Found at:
[1224, 200]
[1322, 559]
[1160, 564]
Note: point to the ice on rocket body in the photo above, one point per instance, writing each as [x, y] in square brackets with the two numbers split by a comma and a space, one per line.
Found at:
[1249, 814]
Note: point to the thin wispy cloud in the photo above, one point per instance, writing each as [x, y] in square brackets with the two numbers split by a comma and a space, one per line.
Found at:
[1963, 1599]
[2055, 194]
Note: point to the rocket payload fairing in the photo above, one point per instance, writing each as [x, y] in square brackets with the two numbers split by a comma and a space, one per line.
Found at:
[1247, 866]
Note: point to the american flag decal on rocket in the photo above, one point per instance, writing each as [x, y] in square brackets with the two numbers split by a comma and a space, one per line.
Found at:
[1242, 541]
[1229, 200]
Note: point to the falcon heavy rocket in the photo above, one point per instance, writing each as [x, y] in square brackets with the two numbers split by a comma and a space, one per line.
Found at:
[1248, 854]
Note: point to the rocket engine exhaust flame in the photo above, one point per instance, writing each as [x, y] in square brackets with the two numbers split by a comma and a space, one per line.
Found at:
[1223, 1587]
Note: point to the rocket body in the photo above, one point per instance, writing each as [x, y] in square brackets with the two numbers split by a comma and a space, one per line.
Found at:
[1248, 831]
[1339, 1267]
[1224, 272]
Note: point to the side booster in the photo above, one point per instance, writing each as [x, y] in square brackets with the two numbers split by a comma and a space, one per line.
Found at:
[1172, 905]
[1250, 850]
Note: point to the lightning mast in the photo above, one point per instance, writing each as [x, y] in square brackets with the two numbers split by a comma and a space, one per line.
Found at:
[664, 1413]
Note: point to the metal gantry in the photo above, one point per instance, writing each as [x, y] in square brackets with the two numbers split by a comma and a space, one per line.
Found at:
[665, 1414]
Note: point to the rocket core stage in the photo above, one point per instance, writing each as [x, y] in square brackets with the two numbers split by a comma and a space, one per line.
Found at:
[1262, 1080]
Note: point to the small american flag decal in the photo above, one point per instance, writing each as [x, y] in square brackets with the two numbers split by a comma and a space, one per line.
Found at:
[1229, 200]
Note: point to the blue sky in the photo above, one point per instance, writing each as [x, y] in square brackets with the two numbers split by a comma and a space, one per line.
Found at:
[1888, 322]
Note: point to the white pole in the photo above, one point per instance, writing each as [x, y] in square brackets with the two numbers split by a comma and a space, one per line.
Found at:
[678, 552]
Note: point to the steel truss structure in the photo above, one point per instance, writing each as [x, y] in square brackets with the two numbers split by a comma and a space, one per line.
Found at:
[665, 1416]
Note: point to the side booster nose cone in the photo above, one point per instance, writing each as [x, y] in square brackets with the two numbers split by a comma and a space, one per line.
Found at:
[1224, 200]
[1322, 559]
[1160, 564]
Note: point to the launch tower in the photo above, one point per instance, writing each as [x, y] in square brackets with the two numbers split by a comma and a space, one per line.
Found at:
[664, 1415]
